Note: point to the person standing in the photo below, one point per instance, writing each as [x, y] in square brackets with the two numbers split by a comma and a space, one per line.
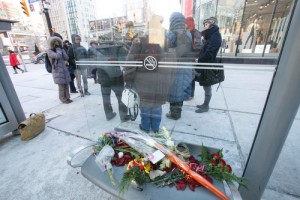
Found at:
[111, 79]
[93, 53]
[60, 72]
[151, 85]
[180, 42]
[14, 61]
[208, 54]
[76, 53]
[71, 68]
[196, 44]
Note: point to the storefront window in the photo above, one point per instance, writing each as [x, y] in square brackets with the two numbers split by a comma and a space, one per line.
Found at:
[229, 15]
[248, 28]
[263, 27]
[279, 26]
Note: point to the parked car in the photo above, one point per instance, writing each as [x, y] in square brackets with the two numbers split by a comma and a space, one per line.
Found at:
[40, 58]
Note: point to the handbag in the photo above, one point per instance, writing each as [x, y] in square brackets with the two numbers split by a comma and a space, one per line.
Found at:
[132, 100]
[212, 76]
[32, 126]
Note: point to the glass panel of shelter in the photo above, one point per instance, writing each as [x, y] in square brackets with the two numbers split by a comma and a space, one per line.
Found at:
[234, 110]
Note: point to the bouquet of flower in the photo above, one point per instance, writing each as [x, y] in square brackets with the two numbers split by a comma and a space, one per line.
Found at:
[162, 163]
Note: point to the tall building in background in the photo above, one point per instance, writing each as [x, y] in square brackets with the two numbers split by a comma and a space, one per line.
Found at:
[59, 18]
[26, 33]
[79, 13]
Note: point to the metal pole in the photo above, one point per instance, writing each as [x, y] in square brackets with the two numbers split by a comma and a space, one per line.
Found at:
[216, 8]
[47, 18]
[48, 21]
[278, 115]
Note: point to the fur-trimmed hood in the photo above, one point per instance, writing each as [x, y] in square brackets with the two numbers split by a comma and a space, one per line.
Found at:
[52, 40]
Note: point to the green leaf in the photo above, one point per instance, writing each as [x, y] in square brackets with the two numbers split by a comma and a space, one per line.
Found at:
[134, 174]
[204, 153]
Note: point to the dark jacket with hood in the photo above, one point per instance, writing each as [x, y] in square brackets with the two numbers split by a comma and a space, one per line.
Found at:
[107, 75]
[180, 42]
[151, 85]
[76, 52]
[57, 57]
[208, 54]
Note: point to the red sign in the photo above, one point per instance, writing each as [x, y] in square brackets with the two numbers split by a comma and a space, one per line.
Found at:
[188, 8]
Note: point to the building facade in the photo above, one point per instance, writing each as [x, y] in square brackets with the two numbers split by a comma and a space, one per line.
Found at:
[79, 13]
[26, 33]
[243, 24]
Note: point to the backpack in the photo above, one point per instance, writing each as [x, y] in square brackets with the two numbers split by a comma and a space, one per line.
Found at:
[48, 65]
[197, 40]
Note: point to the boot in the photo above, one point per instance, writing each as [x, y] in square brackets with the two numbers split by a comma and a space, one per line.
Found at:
[86, 92]
[175, 111]
[81, 93]
[22, 70]
[15, 71]
[110, 116]
[202, 108]
[174, 116]
[205, 106]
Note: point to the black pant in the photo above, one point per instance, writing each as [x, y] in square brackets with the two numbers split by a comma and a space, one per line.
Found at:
[16, 67]
[116, 85]
[72, 85]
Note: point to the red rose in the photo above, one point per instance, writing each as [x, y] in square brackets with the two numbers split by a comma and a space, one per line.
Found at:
[213, 162]
[192, 159]
[181, 185]
[215, 155]
[192, 187]
[222, 162]
[229, 168]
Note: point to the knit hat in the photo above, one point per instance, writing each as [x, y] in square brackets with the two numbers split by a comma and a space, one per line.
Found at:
[190, 23]
[211, 20]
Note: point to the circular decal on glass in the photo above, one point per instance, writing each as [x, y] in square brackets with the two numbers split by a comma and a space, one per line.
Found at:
[150, 63]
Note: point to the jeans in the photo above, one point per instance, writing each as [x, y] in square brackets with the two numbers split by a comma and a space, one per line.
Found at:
[151, 118]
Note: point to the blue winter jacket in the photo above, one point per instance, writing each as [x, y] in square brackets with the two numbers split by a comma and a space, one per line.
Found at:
[180, 39]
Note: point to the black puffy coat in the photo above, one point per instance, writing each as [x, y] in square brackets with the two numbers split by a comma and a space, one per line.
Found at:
[208, 54]
[152, 86]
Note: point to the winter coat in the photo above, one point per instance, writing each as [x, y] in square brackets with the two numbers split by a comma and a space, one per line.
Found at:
[152, 86]
[180, 43]
[208, 54]
[76, 52]
[13, 59]
[106, 74]
[57, 57]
